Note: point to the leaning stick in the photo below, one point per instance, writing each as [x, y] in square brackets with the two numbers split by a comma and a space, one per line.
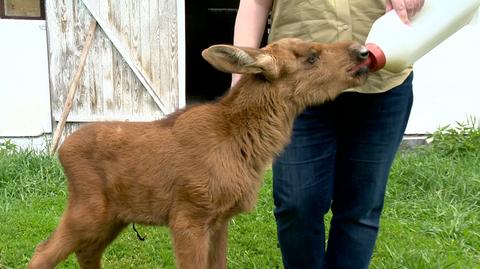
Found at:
[73, 88]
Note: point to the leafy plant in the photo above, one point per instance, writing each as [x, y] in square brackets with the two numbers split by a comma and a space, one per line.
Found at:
[7, 147]
[464, 138]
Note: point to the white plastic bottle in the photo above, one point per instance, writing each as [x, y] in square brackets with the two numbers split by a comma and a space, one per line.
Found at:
[393, 45]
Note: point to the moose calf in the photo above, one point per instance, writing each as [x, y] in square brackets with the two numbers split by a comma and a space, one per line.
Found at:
[197, 168]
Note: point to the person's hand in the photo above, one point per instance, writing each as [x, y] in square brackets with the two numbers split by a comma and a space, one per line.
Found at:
[405, 9]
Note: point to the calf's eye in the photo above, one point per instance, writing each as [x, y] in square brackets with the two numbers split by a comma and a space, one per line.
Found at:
[312, 58]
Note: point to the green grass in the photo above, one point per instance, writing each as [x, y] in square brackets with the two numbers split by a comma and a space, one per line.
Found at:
[431, 217]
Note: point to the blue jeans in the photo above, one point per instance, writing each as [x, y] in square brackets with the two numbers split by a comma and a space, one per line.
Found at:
[339, 158]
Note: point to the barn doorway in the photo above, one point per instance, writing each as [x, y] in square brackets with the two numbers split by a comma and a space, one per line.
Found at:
[207, 22]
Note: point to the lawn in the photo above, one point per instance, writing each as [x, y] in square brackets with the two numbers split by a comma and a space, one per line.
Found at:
[431, 217]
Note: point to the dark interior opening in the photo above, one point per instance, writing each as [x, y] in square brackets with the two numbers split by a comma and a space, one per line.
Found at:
[207, 22]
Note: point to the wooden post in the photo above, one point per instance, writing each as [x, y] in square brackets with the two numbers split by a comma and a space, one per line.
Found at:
[73, 88]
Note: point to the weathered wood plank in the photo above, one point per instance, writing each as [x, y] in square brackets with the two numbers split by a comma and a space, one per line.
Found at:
[146, 35]
[73, 86]
[181, 53]
[173, 41]
[155, 44]
[144, 31]
[79, 24]
[129, 58]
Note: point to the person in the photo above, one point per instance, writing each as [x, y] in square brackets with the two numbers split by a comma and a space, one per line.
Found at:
[340, 152]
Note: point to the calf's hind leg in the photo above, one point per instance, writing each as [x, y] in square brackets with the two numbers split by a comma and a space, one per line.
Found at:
[86, 227]
[89, 254]
[55, 249]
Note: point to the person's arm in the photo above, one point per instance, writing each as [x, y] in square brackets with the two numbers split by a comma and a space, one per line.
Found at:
[405, 9]
[250, 25]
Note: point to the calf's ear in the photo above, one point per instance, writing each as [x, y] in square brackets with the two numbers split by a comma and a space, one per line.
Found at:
[232, 59]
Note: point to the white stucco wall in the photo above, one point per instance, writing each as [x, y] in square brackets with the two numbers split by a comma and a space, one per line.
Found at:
[24, 87]
[447, 82]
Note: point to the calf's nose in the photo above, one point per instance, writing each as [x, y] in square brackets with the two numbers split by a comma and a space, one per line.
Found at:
[363, 53]
[360, 52]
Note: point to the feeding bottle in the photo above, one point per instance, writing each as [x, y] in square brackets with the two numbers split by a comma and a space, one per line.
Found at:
[393, 45]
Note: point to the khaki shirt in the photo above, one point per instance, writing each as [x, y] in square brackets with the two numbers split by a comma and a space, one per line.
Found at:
[330, 21]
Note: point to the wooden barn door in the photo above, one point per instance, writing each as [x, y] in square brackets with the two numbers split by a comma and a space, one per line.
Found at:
[134, 69]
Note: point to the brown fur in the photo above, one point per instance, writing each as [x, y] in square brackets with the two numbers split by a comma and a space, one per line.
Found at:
[196, 169]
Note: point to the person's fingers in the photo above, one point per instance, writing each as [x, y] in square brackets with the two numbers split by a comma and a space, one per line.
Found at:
[401, 9]
[410, 6]
[419, 5]
[405, 9]
[389, 6]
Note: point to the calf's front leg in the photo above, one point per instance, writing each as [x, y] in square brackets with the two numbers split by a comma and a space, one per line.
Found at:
[190, 243]
[217, 250]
